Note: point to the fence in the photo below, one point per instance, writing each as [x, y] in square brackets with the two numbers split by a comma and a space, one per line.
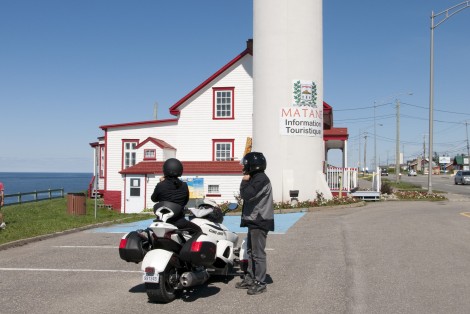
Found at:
[341, 178]
[33, 196]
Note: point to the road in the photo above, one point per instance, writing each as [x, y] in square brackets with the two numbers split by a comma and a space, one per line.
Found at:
[385, 257]
[443, 183]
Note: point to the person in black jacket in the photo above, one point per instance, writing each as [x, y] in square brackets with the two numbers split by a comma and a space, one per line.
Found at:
[258, 216]
[172, 189]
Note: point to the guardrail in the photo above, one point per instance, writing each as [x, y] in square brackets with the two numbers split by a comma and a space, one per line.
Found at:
[33, 196]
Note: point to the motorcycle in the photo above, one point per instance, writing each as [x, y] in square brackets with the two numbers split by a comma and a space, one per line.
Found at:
[174, 259]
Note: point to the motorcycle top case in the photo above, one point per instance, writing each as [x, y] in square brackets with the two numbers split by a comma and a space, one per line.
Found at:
[134, 250]
[200, 250]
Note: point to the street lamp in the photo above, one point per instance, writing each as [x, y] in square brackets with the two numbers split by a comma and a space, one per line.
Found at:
[446, 14]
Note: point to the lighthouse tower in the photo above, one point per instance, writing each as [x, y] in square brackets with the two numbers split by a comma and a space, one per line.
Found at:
[288, 95]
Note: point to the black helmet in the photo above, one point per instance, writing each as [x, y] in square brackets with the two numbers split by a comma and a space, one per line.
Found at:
[253, 162]
[172, 168]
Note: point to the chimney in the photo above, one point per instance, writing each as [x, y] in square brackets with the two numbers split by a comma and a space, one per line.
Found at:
[249, 45]
[155, 111]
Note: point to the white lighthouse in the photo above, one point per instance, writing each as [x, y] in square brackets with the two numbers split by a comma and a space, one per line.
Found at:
[288, 95]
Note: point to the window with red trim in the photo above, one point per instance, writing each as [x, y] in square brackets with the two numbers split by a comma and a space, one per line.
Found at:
[223, 102]
[150, 154]
[129, 153]
[223, 150]
[101, 161]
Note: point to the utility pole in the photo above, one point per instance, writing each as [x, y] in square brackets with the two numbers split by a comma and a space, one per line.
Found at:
[359, 150]
[468, 149]
[365, 151]
[424, 147]
[387, 159]
[397, 157]
[423, 162]
[375, 141]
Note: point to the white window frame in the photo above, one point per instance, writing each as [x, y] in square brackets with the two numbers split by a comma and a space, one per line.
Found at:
[223, 153]
[101, 162]
[223, 99]
[129, 153]
[150, 154]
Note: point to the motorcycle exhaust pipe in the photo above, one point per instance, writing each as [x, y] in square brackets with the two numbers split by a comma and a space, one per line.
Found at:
[193, 278]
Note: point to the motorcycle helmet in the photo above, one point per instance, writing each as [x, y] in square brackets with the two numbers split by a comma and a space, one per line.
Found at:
[172, 168]
[253, 161]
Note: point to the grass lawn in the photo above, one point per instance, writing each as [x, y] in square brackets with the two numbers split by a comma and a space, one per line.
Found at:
[50, 216]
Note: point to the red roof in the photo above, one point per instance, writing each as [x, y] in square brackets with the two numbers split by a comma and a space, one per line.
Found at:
[340, 134]
[190, 167]
[132, 124]
[156, 141]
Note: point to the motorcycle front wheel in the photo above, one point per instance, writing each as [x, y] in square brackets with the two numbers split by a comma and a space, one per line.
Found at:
[165, 290]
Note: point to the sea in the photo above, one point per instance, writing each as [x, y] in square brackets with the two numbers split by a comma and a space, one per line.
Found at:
[24, 182]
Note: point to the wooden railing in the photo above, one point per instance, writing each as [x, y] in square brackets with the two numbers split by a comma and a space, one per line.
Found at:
[34, 196]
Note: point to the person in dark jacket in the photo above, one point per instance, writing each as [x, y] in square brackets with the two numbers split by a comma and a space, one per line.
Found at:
[258, 216]
[172, 189]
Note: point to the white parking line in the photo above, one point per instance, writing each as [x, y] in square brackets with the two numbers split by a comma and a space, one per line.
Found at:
[85, 247]
[101, 247]
[71, 270]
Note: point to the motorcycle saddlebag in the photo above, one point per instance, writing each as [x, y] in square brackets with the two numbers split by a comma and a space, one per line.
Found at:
[133, 247]
[199, 252]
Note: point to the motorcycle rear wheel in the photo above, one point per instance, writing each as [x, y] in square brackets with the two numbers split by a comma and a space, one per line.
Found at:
[165, 290]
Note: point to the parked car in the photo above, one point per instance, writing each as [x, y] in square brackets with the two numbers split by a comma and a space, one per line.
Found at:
[462, 177]
[384, 172]
[412, 173]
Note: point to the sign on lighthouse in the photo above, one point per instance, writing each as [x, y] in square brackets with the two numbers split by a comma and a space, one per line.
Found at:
[288, 95]
[302, 117]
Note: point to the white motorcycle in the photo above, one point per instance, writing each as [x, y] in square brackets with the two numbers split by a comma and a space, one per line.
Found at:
[174, 259]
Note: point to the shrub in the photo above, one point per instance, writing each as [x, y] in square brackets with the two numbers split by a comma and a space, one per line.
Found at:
[419, 195]
[386, 188]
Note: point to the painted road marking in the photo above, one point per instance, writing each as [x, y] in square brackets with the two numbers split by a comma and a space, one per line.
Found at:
[71, 270]
[100, 247]
[282, 224]
[466, 214]
[83, 246]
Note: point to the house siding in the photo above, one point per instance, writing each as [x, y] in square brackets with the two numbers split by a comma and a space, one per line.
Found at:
[196, 126]
[191, 135]
[229, 186]
[114, 180]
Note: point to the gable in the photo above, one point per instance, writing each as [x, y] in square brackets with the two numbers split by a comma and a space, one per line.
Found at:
[175, 109]
[160, 143]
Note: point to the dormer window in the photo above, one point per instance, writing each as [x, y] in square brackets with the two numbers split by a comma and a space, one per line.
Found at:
[223, 103]
[150, 154]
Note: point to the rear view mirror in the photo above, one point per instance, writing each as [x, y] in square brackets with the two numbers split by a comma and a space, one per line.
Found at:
[232, 206]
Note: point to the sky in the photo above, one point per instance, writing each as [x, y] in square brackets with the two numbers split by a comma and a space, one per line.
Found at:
[68, 67]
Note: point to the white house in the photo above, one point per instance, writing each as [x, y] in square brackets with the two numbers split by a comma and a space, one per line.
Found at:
[210, 133]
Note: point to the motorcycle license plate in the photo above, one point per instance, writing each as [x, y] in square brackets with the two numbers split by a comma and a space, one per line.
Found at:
[153, 278]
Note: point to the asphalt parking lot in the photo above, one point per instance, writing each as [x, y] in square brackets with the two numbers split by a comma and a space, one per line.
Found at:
[387, 257]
